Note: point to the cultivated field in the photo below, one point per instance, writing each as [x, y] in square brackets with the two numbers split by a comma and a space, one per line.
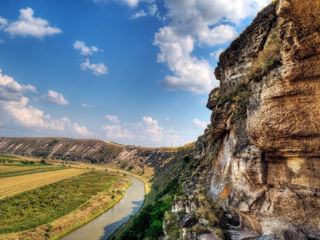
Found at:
[16, 170]
[90, 193]
[13, 185]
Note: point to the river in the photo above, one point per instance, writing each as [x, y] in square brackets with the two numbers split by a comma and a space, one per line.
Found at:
[106, 224]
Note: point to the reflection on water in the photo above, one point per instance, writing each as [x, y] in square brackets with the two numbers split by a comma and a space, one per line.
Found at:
[103, 226]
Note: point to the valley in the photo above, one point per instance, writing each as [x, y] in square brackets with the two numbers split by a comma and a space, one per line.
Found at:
[254, 173]
[45, 199]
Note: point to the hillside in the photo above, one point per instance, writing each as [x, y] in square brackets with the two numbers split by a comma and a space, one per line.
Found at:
[139, 160]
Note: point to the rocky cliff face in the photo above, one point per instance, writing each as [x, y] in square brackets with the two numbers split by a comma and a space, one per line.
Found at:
[262, 147]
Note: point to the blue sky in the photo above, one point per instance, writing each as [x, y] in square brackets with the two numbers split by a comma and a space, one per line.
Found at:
[129, 71]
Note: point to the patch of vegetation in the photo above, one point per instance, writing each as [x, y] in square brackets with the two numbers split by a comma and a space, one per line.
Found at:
[148, 224]
[172, 225]
[268, 59]
[123, 165]
[238, 98]
[240, 101]
[45, 204]
[43, 161]
[24, 169]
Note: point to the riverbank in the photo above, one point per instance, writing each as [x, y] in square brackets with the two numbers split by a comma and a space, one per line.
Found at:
[85, 213]
[105, 225]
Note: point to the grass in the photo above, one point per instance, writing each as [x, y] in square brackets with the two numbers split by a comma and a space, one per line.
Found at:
[268, 59]
[11, 170]
[11, 165]
[14, 185]
[238, 97]
[43, 205]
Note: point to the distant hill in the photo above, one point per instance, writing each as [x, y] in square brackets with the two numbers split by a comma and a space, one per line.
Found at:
[139, 160]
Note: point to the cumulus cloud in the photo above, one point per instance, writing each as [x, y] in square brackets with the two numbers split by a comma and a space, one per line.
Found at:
[55, 97]
[28, 25]
[17, 112]
[12, 90]
[117, 132]
[190, 74]
[112, 118]
[198, 23]
[199, 124]
[97, 69]
[25, 115]
[84, 105]
[146, 132]
[84, 49]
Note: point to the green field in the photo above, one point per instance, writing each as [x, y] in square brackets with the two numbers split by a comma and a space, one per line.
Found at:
[11, 166]
[43, 205]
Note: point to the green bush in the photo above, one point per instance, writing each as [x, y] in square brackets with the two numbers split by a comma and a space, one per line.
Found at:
[267, 60]
[43, 161]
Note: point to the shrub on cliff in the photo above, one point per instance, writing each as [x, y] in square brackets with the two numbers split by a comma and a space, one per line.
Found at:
[267, 60]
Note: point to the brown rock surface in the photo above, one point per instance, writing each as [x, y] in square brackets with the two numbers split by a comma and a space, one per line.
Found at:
[268, 166]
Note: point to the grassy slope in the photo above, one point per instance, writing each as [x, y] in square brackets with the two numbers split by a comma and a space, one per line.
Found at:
[164, 186]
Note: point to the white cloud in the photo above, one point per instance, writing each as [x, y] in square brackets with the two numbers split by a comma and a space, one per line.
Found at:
[112, 118]
[130, 3]
[139, 14]
[86, 105]
[55, 97]
[81, 130]
[3, 22]
[97, 69]
[216, 54]
[117, 132]
[32, 118]
[12, 90]
[153, 130]
[84, 49]
[217, 35]
[146, 132]
[198, 23]
[190, 73]
[152, 10]
[18, 113]
[199, 124]
[28, 25]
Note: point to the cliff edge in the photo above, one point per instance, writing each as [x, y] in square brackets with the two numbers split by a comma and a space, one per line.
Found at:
[262, 147]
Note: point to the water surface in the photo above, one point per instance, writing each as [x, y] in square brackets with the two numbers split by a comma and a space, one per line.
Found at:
[105, 225]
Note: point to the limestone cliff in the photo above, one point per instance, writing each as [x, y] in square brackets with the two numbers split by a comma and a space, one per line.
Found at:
[262, 147]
